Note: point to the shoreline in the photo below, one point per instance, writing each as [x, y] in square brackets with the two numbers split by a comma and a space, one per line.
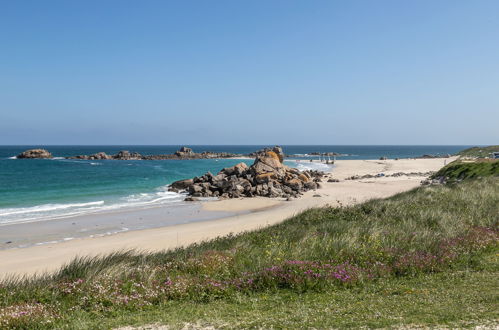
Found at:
[250, 214]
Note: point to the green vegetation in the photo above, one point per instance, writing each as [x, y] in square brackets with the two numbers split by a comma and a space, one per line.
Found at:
[463, 170]
[478, 152]
[424, 257]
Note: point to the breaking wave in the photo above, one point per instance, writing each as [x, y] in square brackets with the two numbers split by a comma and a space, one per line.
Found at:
[55, 211]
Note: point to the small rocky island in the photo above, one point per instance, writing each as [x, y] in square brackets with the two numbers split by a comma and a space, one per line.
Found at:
[183, 153]
[35, 153]
[267, 177]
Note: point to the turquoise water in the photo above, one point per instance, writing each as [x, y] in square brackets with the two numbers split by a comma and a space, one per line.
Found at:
[38, 189]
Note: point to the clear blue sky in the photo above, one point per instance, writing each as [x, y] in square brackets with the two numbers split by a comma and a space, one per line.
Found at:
[249, 72]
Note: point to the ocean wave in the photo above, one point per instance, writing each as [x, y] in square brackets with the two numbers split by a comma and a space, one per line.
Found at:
[13, 157]
[95, 164]
[311, 166]
[45, 208]
[56, 211]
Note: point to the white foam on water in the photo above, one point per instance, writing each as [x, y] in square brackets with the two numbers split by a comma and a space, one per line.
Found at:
[56, 211]
[311, 166]
[13, 157]
[45, 208]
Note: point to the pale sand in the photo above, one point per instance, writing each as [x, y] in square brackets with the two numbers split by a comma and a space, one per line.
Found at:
[263, 212]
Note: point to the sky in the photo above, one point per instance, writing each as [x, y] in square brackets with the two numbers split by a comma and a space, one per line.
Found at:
[249, 72]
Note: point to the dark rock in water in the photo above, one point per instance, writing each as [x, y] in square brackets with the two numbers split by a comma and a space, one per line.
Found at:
[183, 153]
[191, 199]
[127, 155]
[383, 158]
[8, 242]
[35, 153]
[100, 155]
[182, 184]
[122, 155]
[97, 156]
[268, 177]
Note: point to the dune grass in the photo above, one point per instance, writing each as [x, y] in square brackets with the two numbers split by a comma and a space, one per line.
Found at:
[424, 257]
[479, 152]
[463, 170]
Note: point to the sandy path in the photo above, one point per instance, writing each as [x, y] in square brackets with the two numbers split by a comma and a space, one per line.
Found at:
[264, 211]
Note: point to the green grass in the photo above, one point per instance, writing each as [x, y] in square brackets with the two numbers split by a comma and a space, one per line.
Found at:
[462, 170]
[424, 257]
[464, 298]
[478, 152]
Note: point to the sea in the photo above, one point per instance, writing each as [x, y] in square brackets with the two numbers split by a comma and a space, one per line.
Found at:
[37, 190]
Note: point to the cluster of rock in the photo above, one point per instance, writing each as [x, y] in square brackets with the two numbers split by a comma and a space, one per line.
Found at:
[382, 175]
[183, 153]
[121, 155]
[267, 177]
[194, 155]
[35, 153]
[426, 156]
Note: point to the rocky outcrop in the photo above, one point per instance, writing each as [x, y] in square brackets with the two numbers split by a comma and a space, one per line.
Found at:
[426, 156]
[35, 153]
[97, 156]
[122, 155]
[183, 153]
[187, 155]
[267, 177]
[127, 155]
[382, 175]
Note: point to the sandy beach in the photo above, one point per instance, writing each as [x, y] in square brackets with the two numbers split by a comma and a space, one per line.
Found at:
[252, 213]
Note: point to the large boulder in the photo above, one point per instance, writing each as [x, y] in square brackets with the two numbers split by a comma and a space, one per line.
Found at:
[278, 151]
[182, 184]
[295, 184]
[35, 153]
[238, 169]
[268, 162]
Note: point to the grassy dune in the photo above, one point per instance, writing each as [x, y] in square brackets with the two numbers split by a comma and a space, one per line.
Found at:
[424, 257]
[463, 170]
[479, 152]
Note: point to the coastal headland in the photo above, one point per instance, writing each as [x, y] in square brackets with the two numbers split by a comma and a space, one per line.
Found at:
[249, 214]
